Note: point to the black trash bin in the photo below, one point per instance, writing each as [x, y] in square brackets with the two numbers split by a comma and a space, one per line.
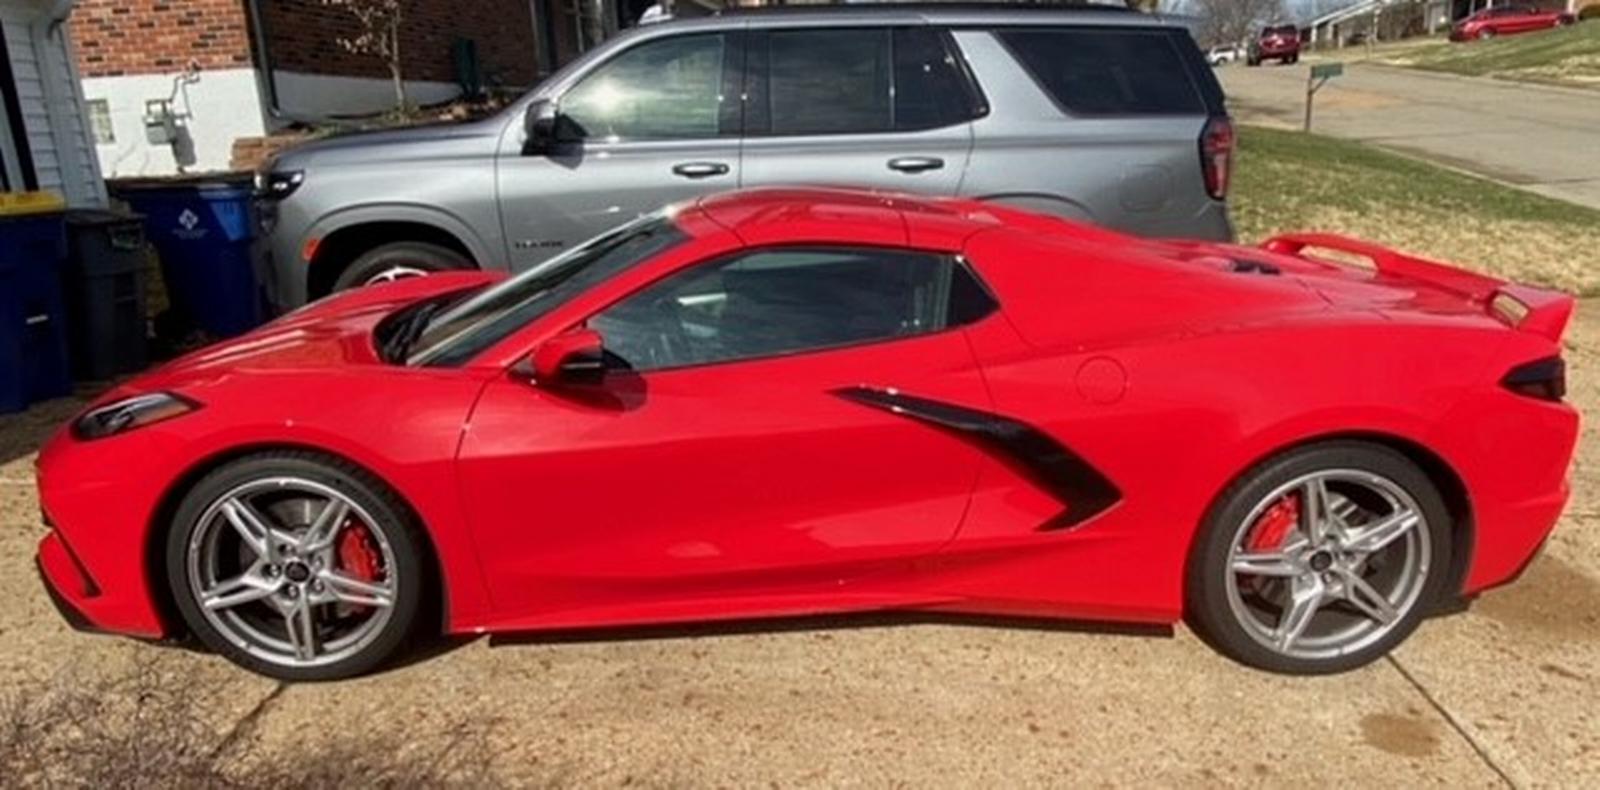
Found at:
[105, 289]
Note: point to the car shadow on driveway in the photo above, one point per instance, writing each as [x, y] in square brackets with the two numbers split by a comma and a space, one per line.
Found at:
[815, 623]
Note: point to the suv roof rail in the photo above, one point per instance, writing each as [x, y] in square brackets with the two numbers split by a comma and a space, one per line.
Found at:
[892, 5]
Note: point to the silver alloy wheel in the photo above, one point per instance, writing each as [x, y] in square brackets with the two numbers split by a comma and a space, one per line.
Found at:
[1353, 566]
[264, 568]
[394, 273]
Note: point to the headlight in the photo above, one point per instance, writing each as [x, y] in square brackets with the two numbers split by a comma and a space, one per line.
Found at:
[129, 413]
[278, 184]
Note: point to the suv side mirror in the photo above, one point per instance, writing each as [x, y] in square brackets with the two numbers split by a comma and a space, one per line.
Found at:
[540, 126]
[577, 357]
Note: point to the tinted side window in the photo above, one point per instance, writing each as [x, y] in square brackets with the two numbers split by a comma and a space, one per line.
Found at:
[829, 81]
[1105, 71]
[855, 81]
[784, 301]
[671, 88]
[930, 88]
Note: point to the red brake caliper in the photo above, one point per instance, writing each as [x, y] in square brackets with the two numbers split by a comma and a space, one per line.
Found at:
[1274, 525]
[1271, 530]
[359, 557]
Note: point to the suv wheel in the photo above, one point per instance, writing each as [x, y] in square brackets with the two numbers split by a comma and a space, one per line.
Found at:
[398, 261]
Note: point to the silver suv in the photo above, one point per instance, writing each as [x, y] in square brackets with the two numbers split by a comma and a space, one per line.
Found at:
[1100, 115]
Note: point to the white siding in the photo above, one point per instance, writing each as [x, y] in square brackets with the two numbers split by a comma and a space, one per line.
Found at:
[63, 155]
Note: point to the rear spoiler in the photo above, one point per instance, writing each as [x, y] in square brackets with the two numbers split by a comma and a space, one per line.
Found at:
[1535, 310]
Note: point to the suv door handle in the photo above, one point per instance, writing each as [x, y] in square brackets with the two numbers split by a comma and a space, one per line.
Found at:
[700, 169]
[916, 164]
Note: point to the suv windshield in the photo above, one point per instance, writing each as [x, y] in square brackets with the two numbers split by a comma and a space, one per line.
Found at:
[456, 336]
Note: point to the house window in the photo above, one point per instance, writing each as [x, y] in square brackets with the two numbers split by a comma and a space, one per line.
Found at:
[100, 121]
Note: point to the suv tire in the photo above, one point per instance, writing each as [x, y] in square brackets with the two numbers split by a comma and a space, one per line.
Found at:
[399, 260]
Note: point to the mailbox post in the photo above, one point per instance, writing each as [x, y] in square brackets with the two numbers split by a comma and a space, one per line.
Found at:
[1320, 74]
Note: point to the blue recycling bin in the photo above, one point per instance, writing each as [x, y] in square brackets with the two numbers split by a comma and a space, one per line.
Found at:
[205, 231]
[33, 326]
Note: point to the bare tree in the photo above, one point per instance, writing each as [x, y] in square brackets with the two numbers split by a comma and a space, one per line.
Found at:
[1233, 21]
[379, 36]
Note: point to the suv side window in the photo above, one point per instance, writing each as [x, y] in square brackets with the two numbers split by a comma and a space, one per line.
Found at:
[789, 300]
[670, 88]
[1108, 71]
[806, 81]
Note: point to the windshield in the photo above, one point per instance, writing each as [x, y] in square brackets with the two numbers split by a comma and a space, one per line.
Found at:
[455, 336]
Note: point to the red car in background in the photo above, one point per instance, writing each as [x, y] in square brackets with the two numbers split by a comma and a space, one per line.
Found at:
[789, 402]
[1278, 42]
[1506, 20]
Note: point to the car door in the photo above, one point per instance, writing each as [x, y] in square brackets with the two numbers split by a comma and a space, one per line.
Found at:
[656, 123]
[884, 107]
[734, 450]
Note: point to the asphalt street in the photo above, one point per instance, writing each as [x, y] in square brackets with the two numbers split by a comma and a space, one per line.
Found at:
[1544, 139]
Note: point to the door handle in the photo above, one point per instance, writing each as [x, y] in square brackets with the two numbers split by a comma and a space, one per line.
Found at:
[700, 169]
[916, 164]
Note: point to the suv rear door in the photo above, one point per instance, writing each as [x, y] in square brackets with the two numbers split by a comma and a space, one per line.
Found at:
[872, 106]
[1102, 123]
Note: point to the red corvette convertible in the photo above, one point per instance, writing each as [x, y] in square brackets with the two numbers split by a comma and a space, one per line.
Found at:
[785, 402]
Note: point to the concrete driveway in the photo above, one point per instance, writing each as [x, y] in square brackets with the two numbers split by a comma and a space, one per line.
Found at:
[1543, 139]
[1503, 694]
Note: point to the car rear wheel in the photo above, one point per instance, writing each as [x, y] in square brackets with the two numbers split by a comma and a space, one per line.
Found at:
[296, 566]
[398, 261]
[1321, 560]
[1485, 34]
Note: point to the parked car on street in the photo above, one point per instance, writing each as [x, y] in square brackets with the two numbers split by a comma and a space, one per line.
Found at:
[1507, 20]
[1276, 42]
[1219, 55]
[1100, 115]
[794, 401]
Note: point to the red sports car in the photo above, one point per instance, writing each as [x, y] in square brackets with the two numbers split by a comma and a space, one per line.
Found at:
[784, 402]
[1506, 20]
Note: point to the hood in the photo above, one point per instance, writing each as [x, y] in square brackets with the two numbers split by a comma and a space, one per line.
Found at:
[332, 333]
[394, 145]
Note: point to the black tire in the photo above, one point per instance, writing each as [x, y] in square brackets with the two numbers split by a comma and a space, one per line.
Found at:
[418, 256]
[1206, 589]
[390, 517]
[1486, 34]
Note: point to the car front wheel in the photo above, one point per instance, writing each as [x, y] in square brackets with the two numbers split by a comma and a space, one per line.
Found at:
[1321, 560]
[296, 566]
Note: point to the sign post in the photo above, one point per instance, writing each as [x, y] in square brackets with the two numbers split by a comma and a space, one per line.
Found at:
[1320, 74]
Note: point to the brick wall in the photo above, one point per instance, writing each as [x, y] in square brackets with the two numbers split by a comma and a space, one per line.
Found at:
[304, 37]
[124, 37]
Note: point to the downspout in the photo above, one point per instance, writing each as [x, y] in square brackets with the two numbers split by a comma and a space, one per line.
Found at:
[261, 53]
[45, 31]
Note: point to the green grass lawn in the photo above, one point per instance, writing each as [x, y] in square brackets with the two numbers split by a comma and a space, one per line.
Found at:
[1292, 181]
[1569, 56]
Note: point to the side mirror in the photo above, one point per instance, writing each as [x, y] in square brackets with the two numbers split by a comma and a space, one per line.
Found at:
[577, 357]
[540, 126]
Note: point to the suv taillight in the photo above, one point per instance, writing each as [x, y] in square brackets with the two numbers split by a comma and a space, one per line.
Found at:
[1216, 156]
